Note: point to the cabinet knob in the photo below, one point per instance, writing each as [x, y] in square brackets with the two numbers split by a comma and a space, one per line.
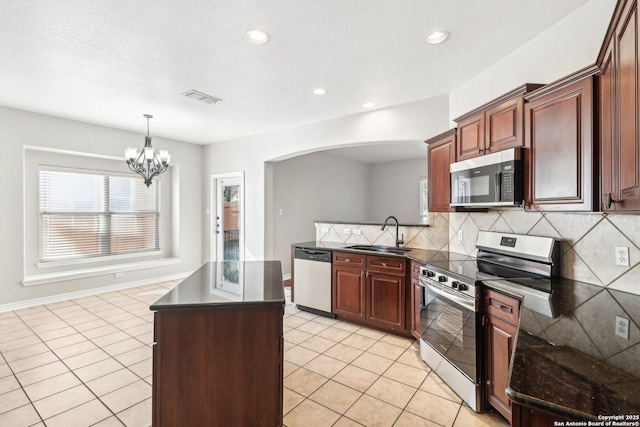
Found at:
[609, 200]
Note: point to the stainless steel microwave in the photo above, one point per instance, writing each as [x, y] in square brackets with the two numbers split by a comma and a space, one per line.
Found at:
[496, 179]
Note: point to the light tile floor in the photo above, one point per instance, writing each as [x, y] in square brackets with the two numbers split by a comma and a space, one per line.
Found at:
[88, 362]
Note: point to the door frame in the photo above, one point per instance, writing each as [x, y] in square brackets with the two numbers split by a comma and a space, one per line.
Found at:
[213, 238]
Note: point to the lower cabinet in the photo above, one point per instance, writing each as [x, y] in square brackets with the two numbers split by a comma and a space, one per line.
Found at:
[348, 292]
[524, 416]
[500, 325]
[370, 290]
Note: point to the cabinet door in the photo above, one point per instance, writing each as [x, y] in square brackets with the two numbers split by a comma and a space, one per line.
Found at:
[606, 98]
[440, 155]
[628, 112]
[386, 300]
[349, 292]
[471, 141]
[503, 126]
[499, 345]
[416, 301]
[559, 134]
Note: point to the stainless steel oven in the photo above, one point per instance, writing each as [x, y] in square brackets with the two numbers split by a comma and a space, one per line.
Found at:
[450, 332]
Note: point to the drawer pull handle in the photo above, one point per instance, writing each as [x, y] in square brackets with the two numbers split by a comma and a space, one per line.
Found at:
[505, 308]
[347, 260]
[384, 264]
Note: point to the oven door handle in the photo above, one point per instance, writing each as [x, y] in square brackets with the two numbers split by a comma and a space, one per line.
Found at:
[466, 303]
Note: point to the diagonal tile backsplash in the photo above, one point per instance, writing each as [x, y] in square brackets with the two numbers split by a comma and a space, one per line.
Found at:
[588, 248]
[589, 241]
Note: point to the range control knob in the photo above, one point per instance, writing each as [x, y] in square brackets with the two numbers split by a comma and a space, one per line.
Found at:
[442, 278]
[430, 273]
[462, 287]
[455, 284]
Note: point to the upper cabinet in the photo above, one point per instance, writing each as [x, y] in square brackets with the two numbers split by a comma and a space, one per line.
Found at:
[618, 94]
[440, 154]
[559, 159]
[494, 126]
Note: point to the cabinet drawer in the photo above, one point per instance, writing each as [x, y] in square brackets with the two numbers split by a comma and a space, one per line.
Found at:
[349, 259]
[387, 264]
[502, 306]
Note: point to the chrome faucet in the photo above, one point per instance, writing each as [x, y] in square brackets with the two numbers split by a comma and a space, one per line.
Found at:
[398, 241]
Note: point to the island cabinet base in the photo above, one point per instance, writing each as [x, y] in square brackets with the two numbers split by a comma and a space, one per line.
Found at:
[218, 366]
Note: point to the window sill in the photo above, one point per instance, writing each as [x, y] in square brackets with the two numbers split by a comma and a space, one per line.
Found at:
[40, 279]
[94, 260]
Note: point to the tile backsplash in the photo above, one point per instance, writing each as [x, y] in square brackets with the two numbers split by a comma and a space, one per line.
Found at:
[588, 248]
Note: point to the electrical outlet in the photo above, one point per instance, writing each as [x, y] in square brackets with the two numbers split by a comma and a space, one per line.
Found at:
[622, 256]
[357, 231]
[460, 235]
[119, 274]
[622, 327]
[346, 231]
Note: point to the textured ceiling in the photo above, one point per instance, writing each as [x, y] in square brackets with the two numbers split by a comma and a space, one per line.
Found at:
[110, 61]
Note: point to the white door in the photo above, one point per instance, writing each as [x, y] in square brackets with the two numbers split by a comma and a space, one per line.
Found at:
[228, 224]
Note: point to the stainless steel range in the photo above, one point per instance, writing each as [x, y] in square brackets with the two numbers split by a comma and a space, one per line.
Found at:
[451, 331]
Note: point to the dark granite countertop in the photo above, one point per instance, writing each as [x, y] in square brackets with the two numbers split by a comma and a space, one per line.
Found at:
[227, 283]
[567, 359]
[419, 255]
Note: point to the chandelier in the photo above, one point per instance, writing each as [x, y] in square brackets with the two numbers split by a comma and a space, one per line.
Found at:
[146, 163]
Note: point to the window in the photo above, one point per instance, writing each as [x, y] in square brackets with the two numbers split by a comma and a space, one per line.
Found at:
[92, 213]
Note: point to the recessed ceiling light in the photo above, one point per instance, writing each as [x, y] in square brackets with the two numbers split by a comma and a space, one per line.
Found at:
[369, 105]
[257, 36]
[319, 91]
[438, 37]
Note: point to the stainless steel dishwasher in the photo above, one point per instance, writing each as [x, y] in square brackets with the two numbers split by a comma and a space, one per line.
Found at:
[312, 281]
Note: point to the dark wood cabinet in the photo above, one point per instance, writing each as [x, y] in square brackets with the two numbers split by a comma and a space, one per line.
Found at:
[618, 91]
[470, 141]
[385, 300]
[524, 416]
[370, 290]
[349, 292]
[500, 325]
[494, 126]
[440, 154]
[559, 134]
[416, 300]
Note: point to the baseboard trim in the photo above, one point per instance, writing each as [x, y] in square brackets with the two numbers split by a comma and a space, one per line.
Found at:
[89, 292]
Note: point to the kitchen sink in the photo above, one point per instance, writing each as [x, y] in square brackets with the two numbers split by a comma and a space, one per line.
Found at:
[378, 248]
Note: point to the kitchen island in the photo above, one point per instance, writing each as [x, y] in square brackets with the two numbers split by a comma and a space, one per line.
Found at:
[217, 358]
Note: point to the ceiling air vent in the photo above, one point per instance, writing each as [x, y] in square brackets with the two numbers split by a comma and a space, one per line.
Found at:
[199, 96]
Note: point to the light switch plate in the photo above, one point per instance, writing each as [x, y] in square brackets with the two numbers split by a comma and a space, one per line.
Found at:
[357, 231]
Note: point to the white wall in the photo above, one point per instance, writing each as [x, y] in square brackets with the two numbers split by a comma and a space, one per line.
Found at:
[408, 122]
[19, 128]
[394, 189]
[567, 46]
[311, 187]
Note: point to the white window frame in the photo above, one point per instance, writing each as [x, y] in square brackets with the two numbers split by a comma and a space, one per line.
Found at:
[73, 260]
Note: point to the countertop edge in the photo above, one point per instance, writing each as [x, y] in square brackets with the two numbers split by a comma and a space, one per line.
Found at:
[216, 304]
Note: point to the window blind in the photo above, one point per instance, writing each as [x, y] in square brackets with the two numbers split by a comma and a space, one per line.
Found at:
[93, 213]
